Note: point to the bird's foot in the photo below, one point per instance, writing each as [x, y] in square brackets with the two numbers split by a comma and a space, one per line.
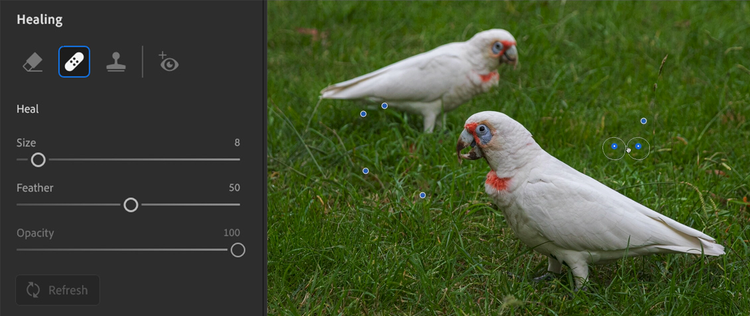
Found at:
[579, 290]
[549, 276]
[512, 276]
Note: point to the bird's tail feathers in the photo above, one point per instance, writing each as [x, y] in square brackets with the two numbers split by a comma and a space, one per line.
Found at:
[353, 88]
[710, 248]
[332, 92]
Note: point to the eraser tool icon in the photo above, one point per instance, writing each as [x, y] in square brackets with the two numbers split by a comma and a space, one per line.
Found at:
[32, 62]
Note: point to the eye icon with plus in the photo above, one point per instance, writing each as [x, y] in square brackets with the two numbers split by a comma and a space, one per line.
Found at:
[168, 64]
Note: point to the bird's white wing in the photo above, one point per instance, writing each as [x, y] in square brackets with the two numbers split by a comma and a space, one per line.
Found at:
[424, 77]
[577, 212]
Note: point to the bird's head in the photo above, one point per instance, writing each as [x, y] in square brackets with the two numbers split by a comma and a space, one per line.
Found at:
[494, 136]
[497, 45]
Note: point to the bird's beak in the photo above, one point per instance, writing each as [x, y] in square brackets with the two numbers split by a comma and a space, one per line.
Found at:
[510, 56]
[466, 140]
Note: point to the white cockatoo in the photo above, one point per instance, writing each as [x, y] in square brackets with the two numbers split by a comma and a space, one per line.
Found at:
[436, 81]
[562, 213]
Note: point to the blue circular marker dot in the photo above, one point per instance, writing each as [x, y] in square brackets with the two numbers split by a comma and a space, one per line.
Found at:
[643, 120]
[384, 105]
[638, 146]
[614, 146]
[422, 195]
[365, 171]
[363, 114]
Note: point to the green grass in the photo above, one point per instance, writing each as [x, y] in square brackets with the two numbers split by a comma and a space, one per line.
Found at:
[344, 243]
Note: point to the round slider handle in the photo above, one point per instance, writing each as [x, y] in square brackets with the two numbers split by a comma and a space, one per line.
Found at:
[134, 205]
[237, 250]
[34, 159]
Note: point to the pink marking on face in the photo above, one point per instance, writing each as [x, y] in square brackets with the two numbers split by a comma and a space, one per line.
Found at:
[506, 45]
[471, 127]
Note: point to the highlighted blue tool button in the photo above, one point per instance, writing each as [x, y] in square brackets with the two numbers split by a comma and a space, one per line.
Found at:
[74, 61]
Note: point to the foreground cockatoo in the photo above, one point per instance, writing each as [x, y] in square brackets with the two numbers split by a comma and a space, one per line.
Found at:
[562, 213]
[436, 81]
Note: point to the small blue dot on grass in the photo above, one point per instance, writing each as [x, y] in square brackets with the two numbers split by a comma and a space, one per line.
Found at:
[643, 120]
[422, 195]
[638, 146]
[384, 105]
[363, 114]
[365, 171]
[614, 146]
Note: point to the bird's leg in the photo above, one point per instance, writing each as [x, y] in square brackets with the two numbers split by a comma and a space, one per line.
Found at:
[440, 123]
[440, 120]
[429, 121]
[580, 273]
[553, 267]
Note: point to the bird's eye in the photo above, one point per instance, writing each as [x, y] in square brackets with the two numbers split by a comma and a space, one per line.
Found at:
[497, 48]
[481, 129]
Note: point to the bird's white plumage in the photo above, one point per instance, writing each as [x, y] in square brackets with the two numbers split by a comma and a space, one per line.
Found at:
[417, 70]
[567, 215]
[433, 82]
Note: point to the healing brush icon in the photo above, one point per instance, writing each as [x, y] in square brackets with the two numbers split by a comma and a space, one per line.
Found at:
[32, 62]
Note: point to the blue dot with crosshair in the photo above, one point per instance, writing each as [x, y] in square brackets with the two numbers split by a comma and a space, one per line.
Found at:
[614, 146]
[638, 146]
[363, 114]
[384, 105]
[422, 195]
[643, 120]
[365, 171]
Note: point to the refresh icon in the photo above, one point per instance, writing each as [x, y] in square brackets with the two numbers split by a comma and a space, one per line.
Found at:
[168, 64]
[33, 289]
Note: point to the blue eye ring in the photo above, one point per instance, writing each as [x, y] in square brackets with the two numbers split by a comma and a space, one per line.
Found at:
[497, 47]
[482, 129]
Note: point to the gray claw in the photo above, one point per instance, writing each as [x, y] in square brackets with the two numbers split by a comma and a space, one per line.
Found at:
[546, 277]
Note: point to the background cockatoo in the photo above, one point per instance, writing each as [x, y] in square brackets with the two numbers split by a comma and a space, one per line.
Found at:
[436, 81]
[562, 213]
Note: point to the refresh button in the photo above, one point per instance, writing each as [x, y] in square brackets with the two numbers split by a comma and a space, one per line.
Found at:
[168, 64]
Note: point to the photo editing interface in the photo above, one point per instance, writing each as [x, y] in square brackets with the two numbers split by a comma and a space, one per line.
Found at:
[132, 158]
